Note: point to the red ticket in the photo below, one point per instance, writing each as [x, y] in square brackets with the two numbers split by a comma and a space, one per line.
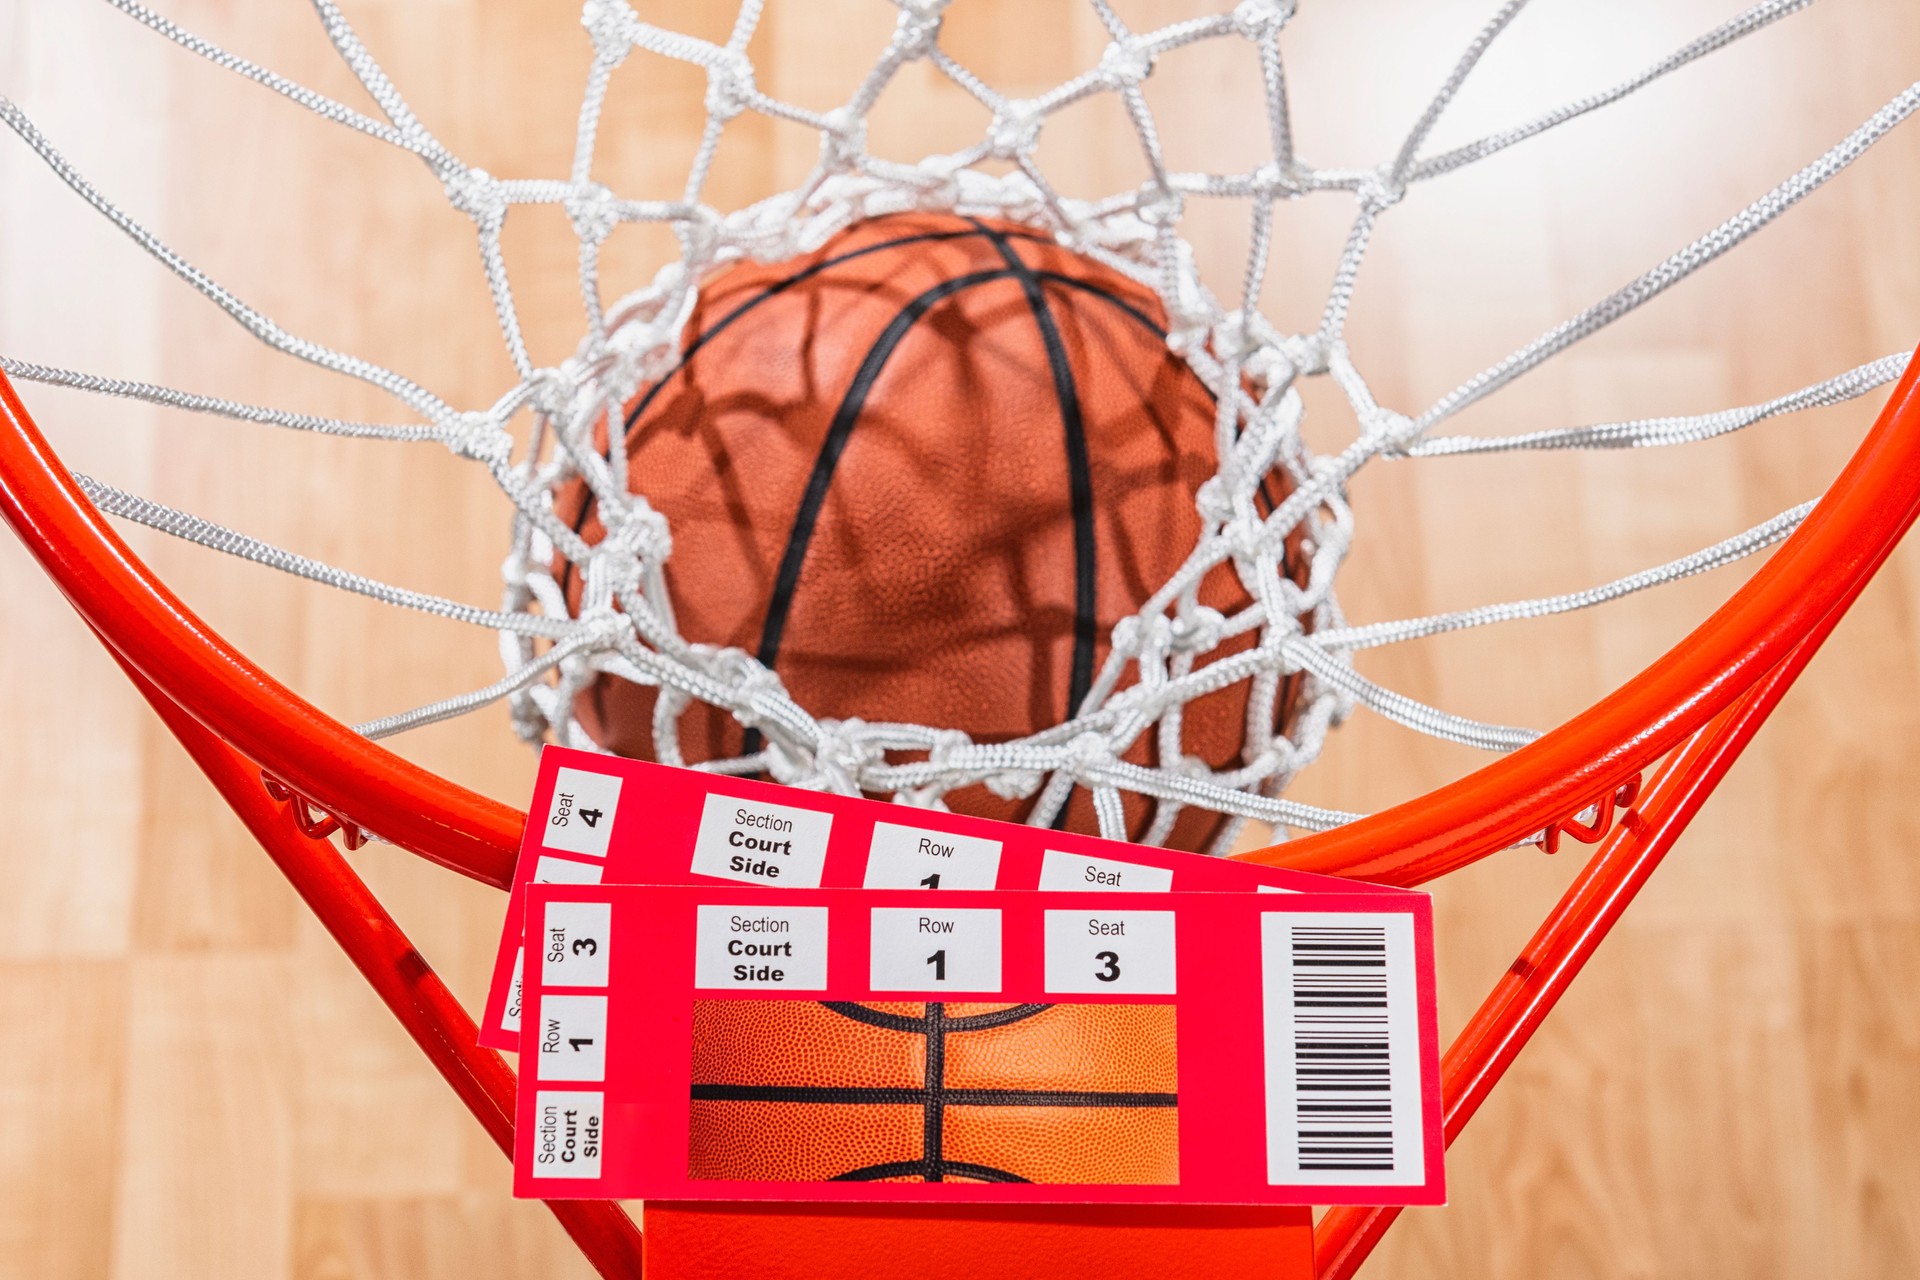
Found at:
[726, 1042]
[608, 820]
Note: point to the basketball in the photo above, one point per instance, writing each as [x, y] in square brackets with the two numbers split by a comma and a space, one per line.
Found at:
[921, 473]
[807, 1091]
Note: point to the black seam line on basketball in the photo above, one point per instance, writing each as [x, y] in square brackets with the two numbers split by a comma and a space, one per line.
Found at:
[933, 1114]
[807, 516]
[876, 1017]
[1264, 501]
[1087, 286]
[1054, 277]
[906, 1168]
[998, 1018]
[918, 1026]
[904, 1096]
[771, 291]
[780, 286]
[1066, 393]
[1147, 322]
[931, 1097]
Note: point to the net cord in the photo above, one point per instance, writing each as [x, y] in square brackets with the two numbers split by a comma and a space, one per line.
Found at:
[1161, 658]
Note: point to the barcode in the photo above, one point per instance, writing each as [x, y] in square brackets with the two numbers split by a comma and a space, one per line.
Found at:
[1342, 1043]
[1343, 1111]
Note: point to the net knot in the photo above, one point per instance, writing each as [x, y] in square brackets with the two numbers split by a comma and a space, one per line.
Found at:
[1087, 752]
[947, 746]
[1197, 630]
[643, 534]
[1381, 189]
[936, 187]
[1246, 534]
[754, 694]
[840, 757]
[1309, 353]
[552, 391]
[1015, 128]
[1260, 19]
[1275, 764]
[1268, 369]
[1137, 633]
[1393, 431]
[1014, 784]
[478, 437]
[744, 674]
[600, 627]
[594, 211]
[1213, 501]
[1273, 179]
[916, 30]
[1126, 62]
[1238, 335]
[616, 379]
[612, 26]
[1159, 206]
[611, 570]
[729, 84]
[843, 141]
[700, 234]
[478, 194]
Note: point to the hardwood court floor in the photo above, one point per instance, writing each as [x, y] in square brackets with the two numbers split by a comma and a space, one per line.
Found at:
[193, 1082]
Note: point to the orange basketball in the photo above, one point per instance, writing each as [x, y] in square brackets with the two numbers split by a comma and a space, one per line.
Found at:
[804, 1091]
[921, 472]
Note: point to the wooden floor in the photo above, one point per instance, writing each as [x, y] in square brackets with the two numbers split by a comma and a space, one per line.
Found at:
[194, 1083]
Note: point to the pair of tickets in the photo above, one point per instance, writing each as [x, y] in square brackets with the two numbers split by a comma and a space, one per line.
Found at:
[723, 989]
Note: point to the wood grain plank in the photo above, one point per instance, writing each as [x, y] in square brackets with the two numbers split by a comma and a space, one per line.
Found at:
[1729, 1089]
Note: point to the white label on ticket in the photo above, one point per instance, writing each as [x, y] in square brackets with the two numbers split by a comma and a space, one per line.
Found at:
[566, 871]
[1071, 871]
[545, 871]
[761, 843]
[1110, 952]
[573, 1038]
[580, 815]
[1340, 1012]
[930, 949]
[783, 947]
[910, 858]
[576, 947]
[567, 1133]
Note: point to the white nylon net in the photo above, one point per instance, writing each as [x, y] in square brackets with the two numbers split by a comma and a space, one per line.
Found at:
[1161, 658]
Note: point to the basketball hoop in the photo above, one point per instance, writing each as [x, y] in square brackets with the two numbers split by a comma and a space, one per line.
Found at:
[1625, 776]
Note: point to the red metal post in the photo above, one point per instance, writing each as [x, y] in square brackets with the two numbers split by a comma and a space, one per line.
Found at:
[1592, 905]
[399, 974]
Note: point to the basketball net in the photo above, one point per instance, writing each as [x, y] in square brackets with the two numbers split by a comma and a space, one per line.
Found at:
[538, 434]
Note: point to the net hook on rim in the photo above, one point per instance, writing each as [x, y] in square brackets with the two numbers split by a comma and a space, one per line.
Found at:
[1615, 800]
[314, 822]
